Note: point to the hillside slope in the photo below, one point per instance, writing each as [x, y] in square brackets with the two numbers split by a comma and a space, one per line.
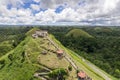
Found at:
[78, 33]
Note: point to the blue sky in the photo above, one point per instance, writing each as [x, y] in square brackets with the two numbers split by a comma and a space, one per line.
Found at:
[71, 12]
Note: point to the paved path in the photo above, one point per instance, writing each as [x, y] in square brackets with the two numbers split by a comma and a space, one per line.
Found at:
[97, 70]
[44, 67]
[52, 42]
[66, 57]
[38, 76]
[71, 62]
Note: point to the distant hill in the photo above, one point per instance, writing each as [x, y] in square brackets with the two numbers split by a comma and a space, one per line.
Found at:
[99, 29]
[78, 33]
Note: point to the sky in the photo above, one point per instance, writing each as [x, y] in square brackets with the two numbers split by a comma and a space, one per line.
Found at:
[60, 12]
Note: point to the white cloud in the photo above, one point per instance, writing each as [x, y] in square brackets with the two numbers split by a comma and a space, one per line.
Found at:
[35, 7]
[14, 3]
[97, 11]
[67, 14]
[54, 3]
[37, 1]
[109, 5]
[46, 16]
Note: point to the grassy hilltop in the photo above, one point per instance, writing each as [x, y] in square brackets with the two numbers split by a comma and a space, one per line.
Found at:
[26, 59]
[78, 33]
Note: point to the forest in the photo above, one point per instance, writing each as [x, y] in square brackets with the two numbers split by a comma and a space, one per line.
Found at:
[10, 37]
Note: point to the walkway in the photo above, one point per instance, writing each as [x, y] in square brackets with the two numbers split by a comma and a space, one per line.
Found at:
[66, 57]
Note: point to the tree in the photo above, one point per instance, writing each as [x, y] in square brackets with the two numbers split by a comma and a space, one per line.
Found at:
[70, 68]
[58, 74]
[117, 73]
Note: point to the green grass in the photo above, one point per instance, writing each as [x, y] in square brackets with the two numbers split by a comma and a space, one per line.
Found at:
[30, 32]
[99, 29]
[5, 47]
[17, 67]
[51, 60]
[14, 65]
[78, 33]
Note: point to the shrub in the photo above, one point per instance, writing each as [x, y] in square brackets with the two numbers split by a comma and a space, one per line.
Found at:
[70, 68]
[58, 74]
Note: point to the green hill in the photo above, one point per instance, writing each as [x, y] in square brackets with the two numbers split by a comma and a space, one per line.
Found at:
[27, 59]
[78, 33]
[99, 29]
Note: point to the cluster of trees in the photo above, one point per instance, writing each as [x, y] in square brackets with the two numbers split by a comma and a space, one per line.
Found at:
[58, 74]
[10, 37]
[103, 49]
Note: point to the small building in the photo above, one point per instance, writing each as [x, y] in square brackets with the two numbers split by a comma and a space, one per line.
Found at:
[34, 35]
[44, 52]
[81, 75]
[41, 33]
[59, 53]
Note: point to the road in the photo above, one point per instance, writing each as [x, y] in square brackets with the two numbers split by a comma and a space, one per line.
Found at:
[71, 62]
[52, 42]
[40, 77]
[96, 69]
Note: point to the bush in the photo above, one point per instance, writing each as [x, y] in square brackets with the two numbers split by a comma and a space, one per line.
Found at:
[2, 64]
[70, 68]
[58, 74]
[4, 49]
[10, 56]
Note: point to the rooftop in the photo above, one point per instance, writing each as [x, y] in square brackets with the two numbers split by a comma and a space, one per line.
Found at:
[82, 74]
[60, 51]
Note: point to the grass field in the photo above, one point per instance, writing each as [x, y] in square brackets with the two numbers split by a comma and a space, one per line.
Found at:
[15, 66]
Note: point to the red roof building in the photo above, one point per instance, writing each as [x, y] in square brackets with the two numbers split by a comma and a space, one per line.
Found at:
[59, 52]
[82, 75]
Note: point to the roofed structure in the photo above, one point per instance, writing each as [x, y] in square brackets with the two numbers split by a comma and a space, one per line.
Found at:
[40, 33]
[82, 75]
[44, 52]
[34, 36]
[59, 52]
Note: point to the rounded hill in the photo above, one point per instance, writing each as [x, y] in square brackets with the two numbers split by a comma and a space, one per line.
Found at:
[78, 33]
[103, 29]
